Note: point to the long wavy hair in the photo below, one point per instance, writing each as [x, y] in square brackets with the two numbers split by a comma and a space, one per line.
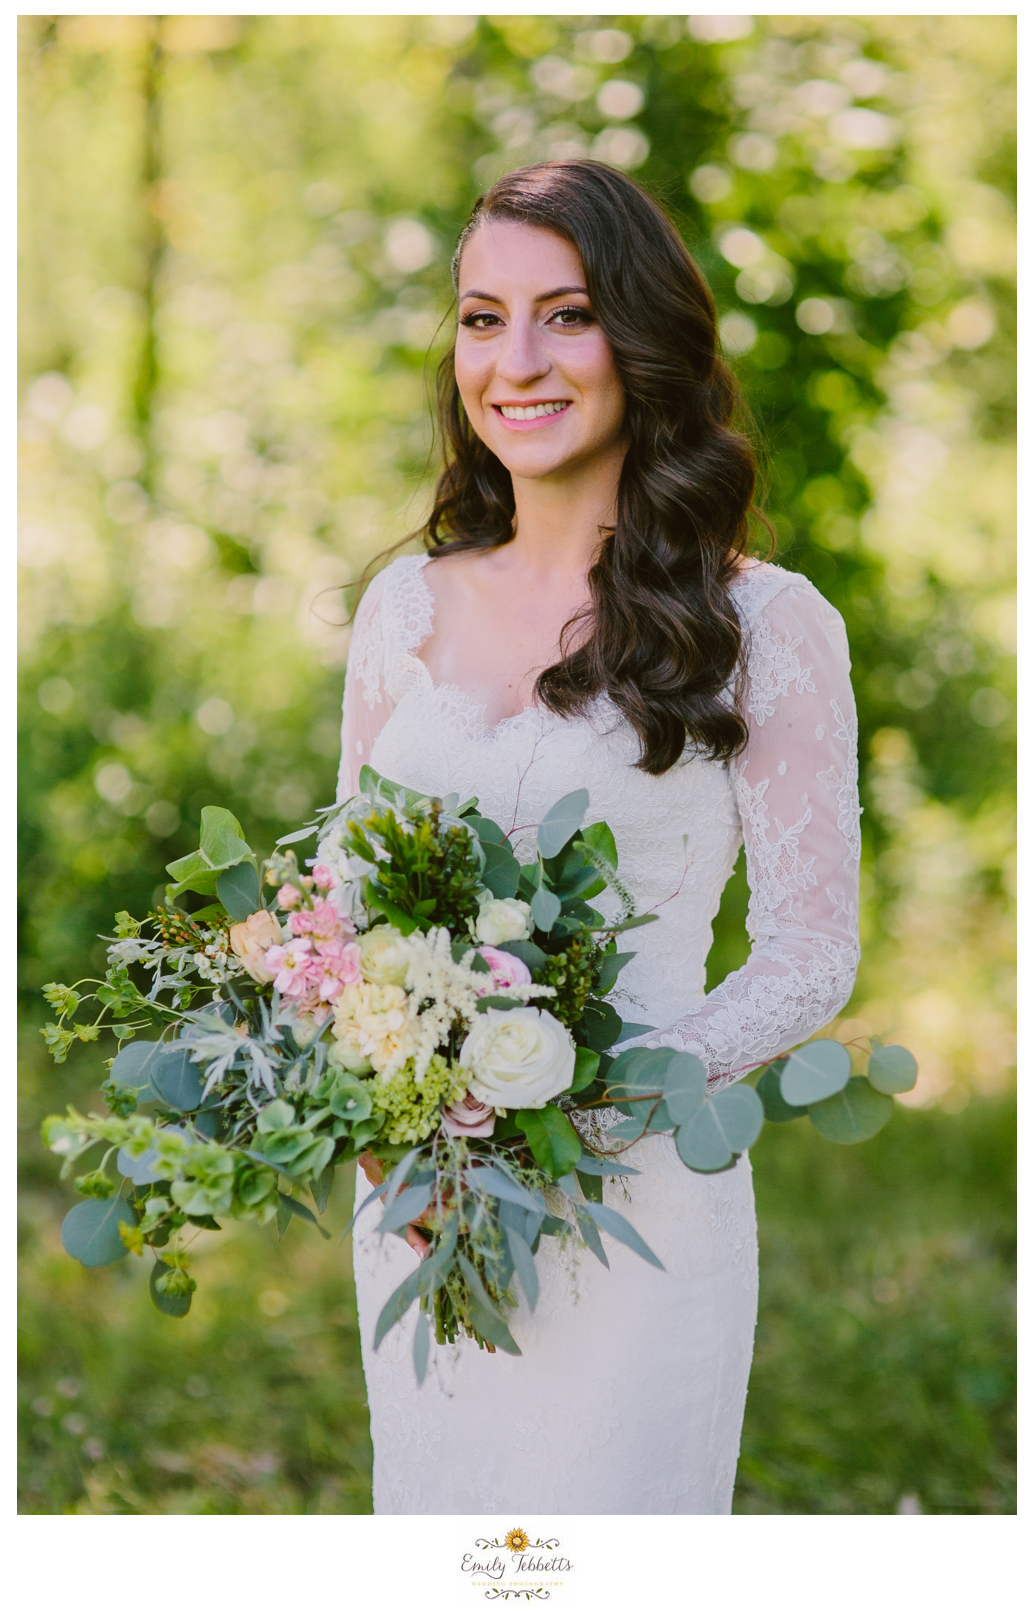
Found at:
[661, 636]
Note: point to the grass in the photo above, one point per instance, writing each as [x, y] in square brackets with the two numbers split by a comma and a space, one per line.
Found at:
[883, 1375]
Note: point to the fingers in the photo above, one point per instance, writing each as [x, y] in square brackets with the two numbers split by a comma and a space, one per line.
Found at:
[371, 1168]
[418, 1243]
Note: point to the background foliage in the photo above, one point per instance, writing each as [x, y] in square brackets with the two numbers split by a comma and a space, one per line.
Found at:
[235, 241]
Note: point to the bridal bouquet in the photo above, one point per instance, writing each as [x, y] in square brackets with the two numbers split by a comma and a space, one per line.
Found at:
[424, 1000]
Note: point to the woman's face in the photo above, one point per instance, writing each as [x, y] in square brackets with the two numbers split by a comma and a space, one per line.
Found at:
[534, 369]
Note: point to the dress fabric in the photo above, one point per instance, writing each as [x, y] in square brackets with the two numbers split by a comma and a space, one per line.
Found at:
[629, 1394]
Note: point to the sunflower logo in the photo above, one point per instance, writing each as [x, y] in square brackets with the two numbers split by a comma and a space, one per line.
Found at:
[516, 1540]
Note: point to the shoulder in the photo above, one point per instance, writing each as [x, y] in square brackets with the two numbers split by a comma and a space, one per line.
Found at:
[768, 596]
[395, 598]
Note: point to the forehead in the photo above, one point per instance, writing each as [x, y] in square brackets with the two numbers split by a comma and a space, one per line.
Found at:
[504, 255]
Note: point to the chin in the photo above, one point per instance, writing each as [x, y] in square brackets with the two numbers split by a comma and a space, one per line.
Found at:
[530, 461]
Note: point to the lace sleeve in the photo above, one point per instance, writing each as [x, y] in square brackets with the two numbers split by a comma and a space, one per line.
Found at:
[367, 704]
[796, 789]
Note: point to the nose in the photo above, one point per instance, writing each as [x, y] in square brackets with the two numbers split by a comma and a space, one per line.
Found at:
[523, 359]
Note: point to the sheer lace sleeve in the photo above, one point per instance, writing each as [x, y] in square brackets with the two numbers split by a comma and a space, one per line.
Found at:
[796, 790]
[367, 704]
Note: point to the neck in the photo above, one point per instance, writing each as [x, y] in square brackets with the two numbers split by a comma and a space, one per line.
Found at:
[559, 519]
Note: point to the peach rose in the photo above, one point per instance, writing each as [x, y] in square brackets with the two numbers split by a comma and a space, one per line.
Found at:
[251, 940]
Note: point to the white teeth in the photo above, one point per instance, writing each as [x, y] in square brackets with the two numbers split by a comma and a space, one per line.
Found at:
[535, 411]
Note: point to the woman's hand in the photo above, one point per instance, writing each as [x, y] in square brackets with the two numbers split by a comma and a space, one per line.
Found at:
[374, 1173]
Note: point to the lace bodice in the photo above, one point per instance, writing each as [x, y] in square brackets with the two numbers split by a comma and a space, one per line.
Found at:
[791, 797]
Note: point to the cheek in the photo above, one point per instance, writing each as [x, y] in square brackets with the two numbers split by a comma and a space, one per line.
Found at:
[598, 377]
[473, 371]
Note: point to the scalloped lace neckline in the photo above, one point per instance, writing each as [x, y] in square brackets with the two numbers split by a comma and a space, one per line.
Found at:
[452, 696]
[469, 711]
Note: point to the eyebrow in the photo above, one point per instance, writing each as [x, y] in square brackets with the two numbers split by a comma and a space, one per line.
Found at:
[546, 296]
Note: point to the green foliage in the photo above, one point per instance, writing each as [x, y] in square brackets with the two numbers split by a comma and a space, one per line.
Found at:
[433, 874]
[817, 1070]
[552, 1138]
[856, 1113]
[90, 1231]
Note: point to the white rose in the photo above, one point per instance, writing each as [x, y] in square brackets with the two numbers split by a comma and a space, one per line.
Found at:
[385, 956]
[519, 1058]
[504, 920]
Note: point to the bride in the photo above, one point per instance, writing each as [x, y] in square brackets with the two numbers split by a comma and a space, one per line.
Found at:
[584, 616]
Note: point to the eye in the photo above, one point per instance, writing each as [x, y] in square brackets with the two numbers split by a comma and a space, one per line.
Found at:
[572, 318]
[480, 321]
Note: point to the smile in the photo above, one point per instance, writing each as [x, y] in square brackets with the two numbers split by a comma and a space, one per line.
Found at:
[533, 411]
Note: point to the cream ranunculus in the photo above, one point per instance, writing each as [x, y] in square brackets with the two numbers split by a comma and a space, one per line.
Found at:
[504, 920]
[251, 940]
[372, 1021]
[384, 958]
[517, 1059]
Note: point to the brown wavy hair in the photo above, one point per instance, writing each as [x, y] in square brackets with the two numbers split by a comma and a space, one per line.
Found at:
[664, 641]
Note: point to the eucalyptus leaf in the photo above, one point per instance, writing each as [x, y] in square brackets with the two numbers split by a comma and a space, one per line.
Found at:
[684, 1086]
[239, 891]
[815, 1071]
[89, 1231]
[397, 1304]
[618, 1227]
[545, 908]
[177, 1081]
[591, 1185]
[378, 1191]
[726, 1124]
[769, 1088]
[302, 1211]
[590, 1231]
[488, 832]
[408, 1205]
[588, 1164]
[632, 1031]
[132, 1067]
[523, 1263]
[610, 967]
[283, 1219]
[501, 871]
[485, 1316]
[854, 1114]
[421, 1347]
[561, 822]
[494, 1183]
[530, 954]
[892, 1069]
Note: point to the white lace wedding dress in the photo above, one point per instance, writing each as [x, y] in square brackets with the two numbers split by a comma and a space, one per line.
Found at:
[629, 1394]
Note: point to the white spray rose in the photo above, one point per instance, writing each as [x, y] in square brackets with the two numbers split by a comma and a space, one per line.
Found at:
[384, 955]
[519, 1058]
[504, 920]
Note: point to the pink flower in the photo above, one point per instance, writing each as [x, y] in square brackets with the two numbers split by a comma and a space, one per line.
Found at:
[313, 972]
[322, 922]
[506, 971]
[468, 1117]
[288, 896]
[324, 877]
[291, 966]
[340, 965]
